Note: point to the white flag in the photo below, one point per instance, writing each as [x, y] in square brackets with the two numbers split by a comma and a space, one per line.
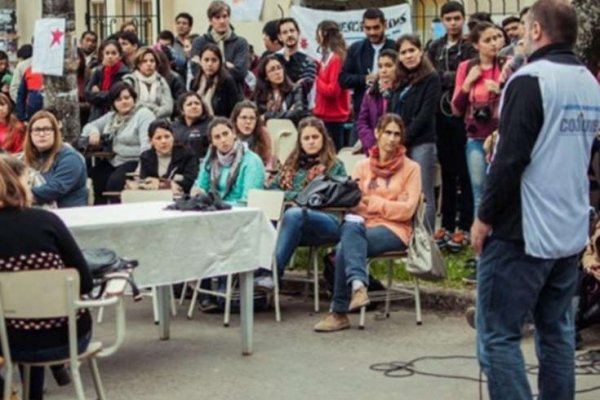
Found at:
[245, 10]
[49, 46]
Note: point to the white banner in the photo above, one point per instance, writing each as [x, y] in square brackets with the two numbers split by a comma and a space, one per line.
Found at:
[245, 10]
[49, 46]
[398, 23]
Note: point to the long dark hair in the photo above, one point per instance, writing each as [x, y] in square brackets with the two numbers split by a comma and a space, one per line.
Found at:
[332, 38]
[264, 87]
[261, 143]
[222, 74]
[425, 68]
[375, 90]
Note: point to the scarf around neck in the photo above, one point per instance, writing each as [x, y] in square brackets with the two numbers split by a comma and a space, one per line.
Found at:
[118, 122]
[108, 75]
[206, 90]
[221, 38]
[217, 161]
[310, 164]
[148, 87]
[386, 169]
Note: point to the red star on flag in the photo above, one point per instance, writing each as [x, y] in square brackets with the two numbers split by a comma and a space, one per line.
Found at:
[57, 35]
[303, 43]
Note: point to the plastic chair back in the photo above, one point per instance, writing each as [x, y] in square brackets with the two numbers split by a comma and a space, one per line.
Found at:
[270, 201]
[284, 136]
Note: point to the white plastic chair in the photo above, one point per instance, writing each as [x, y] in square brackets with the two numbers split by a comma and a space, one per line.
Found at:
[55, 294]
[284, 136]
[271, 202]
[350, 160]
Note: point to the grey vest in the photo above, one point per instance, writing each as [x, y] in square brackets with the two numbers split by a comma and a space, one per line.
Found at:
[554, 186]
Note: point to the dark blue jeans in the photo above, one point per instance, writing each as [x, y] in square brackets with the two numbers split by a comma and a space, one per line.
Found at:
[298, 229]
[36, 385]
[510, 285]
[357, 243]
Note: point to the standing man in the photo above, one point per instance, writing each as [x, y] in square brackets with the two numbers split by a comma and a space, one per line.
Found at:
[533, 220]
[445, 54]
[510, 26]
[299, 67]
[183, 29]
[89, 45]
[509, 50]
[360, 67]
[234, 48]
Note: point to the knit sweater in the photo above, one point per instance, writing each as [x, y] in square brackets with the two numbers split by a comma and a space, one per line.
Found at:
[162, 107]
[300, 181]
[332, 103]
[33, 238]
[393, 201]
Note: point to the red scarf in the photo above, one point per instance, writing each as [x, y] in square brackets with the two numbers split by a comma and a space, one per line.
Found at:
[109, 75]
[388, 168]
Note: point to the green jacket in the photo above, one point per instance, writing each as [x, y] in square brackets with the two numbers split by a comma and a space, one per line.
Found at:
[299, 181]
[251, 176]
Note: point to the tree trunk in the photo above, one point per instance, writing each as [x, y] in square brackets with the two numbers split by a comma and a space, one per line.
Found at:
[588, 43]
[60, 92]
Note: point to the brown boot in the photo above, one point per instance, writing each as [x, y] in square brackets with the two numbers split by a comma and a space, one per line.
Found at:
[360, 299]
[333, 322]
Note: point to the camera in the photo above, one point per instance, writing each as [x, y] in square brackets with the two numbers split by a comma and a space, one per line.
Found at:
[482, 114]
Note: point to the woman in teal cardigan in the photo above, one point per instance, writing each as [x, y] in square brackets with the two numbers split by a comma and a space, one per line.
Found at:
[314, 155]
[229, 168]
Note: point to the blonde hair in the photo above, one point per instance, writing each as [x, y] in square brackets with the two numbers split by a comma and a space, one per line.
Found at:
[32, 154]
[13, 193]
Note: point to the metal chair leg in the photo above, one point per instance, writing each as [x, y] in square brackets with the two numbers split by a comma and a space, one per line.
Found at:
[315, 269]
[228, 291]
[8, 381]
[173, 302]
[418, 301]
[96, 378]
[77, 383]
[155, 305]
[388, 289]
[194, 298]
[275, 277]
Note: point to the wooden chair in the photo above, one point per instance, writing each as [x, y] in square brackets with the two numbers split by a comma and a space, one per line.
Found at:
[284, 136]
[55, 294]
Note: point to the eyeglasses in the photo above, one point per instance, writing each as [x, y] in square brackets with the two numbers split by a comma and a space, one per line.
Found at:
[42, 131]
[274, 68]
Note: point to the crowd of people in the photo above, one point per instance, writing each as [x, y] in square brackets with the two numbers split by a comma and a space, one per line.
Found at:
[189, 113]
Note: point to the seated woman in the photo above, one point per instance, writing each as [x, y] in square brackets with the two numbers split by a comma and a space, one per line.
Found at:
[12, 131]
[214, 83]
[376, 99]
[250, 129]
[229, 169]
[167, 165]
[391, 187]
[104, 76]
[62, 168]
[190, 128]
[314, 155]
[275, 95]
[37, 239]
[153, 90]
[126, 127]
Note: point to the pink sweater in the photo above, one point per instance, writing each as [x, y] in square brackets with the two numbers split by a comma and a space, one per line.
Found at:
[393, 202]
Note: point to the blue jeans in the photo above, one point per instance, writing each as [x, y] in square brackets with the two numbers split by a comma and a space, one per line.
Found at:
[36, 385]
[477, 169]
[357, 242]
[510, 286]
[299, 229]
[425, 155]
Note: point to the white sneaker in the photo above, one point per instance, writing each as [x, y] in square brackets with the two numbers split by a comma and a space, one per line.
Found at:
[264, 282]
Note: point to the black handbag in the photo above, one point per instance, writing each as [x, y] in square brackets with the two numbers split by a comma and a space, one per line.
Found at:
[102, 262]
[330, 191]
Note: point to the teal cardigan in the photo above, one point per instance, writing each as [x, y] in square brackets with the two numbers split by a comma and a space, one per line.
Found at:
[299, 180]
[251, 176]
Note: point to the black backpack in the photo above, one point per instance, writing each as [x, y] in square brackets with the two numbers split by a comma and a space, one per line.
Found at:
[330, 191]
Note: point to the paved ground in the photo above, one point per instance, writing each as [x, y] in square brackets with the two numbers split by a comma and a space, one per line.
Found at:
[203, 359]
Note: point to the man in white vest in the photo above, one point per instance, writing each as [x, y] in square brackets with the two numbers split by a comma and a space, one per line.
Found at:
[533, 220]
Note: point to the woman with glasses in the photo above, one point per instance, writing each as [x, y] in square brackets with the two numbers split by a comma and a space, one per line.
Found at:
[275, 95]
[250, 129]
[61, 172]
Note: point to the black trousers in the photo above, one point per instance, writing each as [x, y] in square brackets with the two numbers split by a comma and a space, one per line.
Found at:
[107, 178]
[457, 199]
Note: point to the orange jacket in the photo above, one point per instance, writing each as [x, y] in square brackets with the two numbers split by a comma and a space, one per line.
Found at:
[393, 202]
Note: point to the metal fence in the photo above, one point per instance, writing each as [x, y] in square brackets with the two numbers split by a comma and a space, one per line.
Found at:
[138, 12]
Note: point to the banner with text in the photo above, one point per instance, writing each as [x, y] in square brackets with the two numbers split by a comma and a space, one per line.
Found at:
[350, 22]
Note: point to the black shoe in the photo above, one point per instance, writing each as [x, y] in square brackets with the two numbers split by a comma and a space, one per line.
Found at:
[208, 306]
[61, 375]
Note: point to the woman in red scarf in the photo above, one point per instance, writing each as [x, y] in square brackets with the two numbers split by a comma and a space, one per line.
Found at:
[391, 187]
[104, 77]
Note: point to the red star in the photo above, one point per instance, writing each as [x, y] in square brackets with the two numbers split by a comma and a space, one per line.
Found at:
[56, 37]
[303, 43]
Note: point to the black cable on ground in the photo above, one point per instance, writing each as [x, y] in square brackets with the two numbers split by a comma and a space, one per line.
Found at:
[586, 364]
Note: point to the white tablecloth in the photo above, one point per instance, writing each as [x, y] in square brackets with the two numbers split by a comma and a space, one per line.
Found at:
[174, 246]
